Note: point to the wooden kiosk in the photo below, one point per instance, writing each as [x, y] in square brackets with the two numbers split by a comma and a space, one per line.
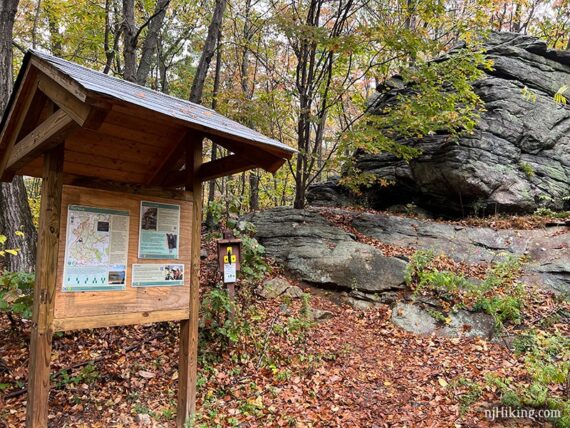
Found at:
[120, 216]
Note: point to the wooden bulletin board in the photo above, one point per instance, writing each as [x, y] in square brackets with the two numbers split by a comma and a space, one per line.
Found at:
[132, 305]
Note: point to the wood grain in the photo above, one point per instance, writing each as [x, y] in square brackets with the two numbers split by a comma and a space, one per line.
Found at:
[44, 290]
[43, 138]
[132, 318]
[112, 306]
[188, 351]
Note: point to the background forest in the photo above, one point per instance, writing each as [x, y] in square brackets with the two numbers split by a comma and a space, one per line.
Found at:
[298, 71]
[426, 321]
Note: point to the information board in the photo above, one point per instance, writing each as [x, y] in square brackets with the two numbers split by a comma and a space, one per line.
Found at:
[96, 249]
[158, 275]
[94, 238]
[159, 231]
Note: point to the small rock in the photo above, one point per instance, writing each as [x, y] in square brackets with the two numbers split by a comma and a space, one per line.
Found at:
[415, 319]
[203, 254]
[294, 292]
[359, 305]
[320, 315]
[276, 287]
[144, 420]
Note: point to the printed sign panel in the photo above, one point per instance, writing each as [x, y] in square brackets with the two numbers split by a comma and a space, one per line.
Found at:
[96, 249]
[159, 231]
[152, 275]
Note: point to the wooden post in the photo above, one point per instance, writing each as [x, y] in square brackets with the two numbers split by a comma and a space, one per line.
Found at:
[188, 358]
[44, 290]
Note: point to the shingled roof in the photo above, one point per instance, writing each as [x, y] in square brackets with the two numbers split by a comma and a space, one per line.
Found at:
[101, 103]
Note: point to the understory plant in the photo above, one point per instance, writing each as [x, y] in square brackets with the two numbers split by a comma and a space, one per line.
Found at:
[499, 294]
[222, 318]
[16, 289]
[546, 381]
[253, 264]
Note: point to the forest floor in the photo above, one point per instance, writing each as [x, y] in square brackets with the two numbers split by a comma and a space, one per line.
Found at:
[274, 368]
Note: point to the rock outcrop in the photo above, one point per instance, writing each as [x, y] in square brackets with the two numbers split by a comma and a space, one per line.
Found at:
[548, 250]
[324, 255]
[517, 160]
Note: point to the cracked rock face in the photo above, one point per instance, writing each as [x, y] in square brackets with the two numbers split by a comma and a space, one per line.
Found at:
[324, 255]
[327, 256]
[548, 250]
[518, 158]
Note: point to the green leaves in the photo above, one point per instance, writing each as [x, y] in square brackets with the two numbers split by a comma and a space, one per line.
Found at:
[16, 289]
[436, 97]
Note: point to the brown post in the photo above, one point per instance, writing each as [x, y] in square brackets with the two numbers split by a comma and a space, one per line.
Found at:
[188, 358]
[44, 290]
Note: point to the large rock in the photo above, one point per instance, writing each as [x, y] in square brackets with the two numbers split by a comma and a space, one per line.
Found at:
[547, 250]
[279, 287]
[517, 159]
[324, 255]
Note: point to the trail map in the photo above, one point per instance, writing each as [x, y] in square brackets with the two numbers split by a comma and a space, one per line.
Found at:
[96, 249]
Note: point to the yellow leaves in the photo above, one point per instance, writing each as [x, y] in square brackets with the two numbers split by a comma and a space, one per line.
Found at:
[528, 94]
[442, 382]
[559, 97]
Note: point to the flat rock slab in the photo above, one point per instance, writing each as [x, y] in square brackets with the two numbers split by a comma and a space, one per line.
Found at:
[324, 255]
[413, 318]
[548, 249]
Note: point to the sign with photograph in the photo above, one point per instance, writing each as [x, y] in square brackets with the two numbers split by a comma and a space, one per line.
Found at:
[153, 275]
[96, 249]
[159, 231]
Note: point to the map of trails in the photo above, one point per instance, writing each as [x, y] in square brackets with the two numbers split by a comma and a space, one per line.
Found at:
[96, 249]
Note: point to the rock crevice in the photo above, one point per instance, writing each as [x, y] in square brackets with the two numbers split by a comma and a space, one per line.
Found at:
[516, 160]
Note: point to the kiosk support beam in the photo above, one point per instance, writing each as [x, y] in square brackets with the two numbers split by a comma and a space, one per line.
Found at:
[44, 289]
[188, 354]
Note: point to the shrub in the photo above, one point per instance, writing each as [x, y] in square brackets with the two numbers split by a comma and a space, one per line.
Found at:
[547, 367]
[222, 318]
[499, 294]
[16, 294]
[253, 264]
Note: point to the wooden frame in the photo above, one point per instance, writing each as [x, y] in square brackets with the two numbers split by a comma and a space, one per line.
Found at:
[133, 305]
[75, 138]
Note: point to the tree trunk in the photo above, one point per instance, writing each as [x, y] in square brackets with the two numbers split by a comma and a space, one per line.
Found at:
[14, 209]
[129, 43]
[207, 52]
[150, 41]
[16, 215]
[212, 183]
[55, 35]
[253, 191]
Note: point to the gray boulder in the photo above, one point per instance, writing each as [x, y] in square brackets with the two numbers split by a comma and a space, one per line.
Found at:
[324, 255]
[320, 314]
[518, 158]
[548, 250]
[413, 318]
